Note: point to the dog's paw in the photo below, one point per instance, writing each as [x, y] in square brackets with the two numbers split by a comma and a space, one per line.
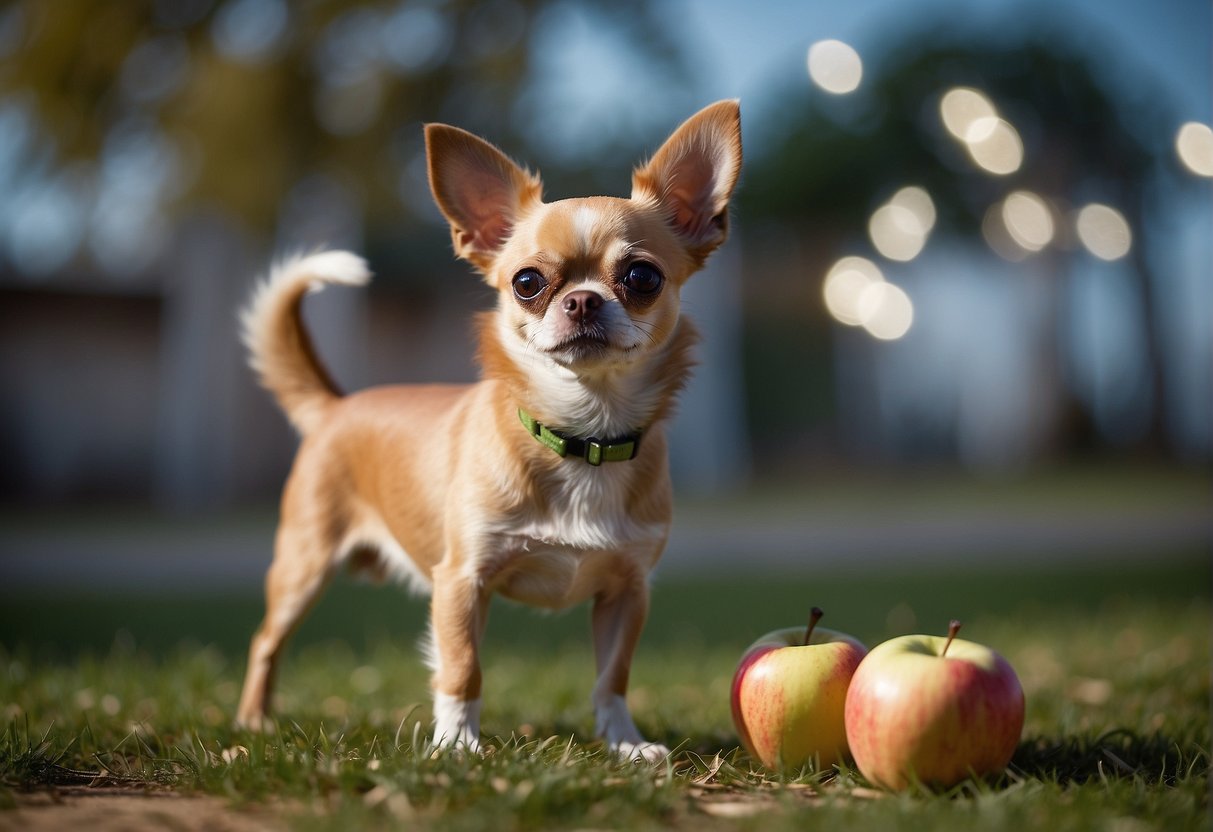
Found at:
[615, 725]
[456, 724]
[641, 752]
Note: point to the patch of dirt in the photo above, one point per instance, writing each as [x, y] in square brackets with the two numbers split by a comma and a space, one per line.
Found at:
[126, 810]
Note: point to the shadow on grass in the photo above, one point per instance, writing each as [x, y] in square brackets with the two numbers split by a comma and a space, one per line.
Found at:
[1156, 758]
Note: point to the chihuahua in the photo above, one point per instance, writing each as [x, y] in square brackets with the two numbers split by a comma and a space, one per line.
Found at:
[547, 481]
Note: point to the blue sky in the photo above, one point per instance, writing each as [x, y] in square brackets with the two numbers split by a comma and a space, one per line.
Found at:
[741, 47]
[753, 50]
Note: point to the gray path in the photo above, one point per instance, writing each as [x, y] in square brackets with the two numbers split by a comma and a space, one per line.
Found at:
[231, 553]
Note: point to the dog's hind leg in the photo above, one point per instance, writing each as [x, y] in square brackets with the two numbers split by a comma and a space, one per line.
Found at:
[303, 564]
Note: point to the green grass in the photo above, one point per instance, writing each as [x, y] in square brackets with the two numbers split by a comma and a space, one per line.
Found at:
[1115, 666]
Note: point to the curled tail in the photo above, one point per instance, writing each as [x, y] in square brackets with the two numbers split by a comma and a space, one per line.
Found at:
[280, 351]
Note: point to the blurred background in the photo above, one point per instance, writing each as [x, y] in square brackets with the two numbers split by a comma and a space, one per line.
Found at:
[967, 309]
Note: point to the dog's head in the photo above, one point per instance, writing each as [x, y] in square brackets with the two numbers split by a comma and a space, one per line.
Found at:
[592, 281]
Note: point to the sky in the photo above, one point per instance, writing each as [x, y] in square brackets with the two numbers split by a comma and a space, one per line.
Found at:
[741, 47]
[752, 51]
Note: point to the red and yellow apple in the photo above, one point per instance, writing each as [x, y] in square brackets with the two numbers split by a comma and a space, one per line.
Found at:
[789, 693]
[933, 710]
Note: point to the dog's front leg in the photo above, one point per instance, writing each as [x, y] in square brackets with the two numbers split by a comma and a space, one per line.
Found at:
[458, 611]
[617, 620]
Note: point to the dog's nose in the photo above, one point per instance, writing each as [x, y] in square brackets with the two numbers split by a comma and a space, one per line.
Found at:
[582, 306]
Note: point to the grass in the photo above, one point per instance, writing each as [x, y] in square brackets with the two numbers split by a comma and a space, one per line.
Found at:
[138, 694]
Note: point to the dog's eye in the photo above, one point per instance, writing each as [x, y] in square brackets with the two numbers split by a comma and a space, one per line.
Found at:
[528, 284]
[643, 279]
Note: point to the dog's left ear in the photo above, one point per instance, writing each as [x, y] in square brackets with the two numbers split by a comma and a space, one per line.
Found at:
[693, 175]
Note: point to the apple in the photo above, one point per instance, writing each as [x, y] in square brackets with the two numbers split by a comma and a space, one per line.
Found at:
[789, 693]
[933, 710]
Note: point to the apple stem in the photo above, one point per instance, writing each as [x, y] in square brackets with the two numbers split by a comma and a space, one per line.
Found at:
[953, 629]
[815, 615]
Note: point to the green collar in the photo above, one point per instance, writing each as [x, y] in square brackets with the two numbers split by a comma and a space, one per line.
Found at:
[592, 450]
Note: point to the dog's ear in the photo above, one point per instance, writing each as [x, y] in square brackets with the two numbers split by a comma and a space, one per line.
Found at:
[479, 190]
[693, 175]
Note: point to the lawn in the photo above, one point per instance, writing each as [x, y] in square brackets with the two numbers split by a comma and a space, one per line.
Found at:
[133, 696]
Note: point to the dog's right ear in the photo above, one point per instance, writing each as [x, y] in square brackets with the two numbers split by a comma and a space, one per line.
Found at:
[479, 190]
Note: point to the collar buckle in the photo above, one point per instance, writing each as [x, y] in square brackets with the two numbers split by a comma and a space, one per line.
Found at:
[593, 451]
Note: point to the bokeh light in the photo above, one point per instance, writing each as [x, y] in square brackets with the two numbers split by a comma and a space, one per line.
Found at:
[999, 150]
[46, 233]
[350, 47]
[899, 228]
[896, 232]
[845, 282]
[416, 38]
[885, 311]
[155, 69]
[965, 112]
[1104, 231]
[1028, 220]
[835, 66]
[857, 294]
[919, 203]
[1194, 145]
[250, 31]
[993, 143]
[141, 168]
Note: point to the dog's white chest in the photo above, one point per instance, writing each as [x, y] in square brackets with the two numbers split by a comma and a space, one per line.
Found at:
[582, 544]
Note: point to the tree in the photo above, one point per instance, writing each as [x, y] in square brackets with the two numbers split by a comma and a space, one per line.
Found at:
[252, 96]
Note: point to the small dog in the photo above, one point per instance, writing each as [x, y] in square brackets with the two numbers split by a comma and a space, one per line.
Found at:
[547, 481]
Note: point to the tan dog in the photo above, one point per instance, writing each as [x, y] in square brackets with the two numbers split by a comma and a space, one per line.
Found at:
[547, 481]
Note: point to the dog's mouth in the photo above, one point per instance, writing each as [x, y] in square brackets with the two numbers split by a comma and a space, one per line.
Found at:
[584, 343]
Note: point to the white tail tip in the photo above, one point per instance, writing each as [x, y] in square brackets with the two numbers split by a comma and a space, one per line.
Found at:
[337, 267]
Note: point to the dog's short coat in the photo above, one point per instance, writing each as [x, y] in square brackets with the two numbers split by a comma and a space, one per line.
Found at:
[445, 486]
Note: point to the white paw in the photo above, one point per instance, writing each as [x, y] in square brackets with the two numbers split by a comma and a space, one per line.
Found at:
[614, 724]
[456, 723]
[646, 752]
